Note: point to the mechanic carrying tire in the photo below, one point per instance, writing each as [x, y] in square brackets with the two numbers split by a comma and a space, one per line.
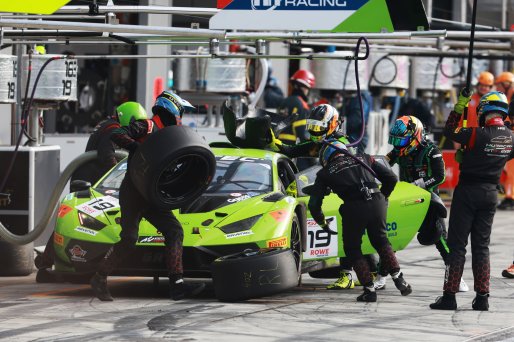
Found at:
[168, 111]
[488, 148]
[327, 117]
[421, 163]
[365, 205]
[100, 141]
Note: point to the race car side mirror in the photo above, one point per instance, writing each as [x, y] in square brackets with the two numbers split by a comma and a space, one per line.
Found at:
[79, 185]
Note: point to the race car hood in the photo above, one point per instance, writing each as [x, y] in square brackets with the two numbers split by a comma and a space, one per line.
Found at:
[209, 202]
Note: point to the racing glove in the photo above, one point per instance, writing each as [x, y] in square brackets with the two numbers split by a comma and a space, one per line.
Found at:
[275, 143]
[419, 182]
[326, 228]
[462, 101]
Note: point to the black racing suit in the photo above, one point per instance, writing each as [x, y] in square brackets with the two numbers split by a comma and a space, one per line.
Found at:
[100, 141]
[134, 207]
[426, 165]
[296, 105]
[474, 199]
[364, 208]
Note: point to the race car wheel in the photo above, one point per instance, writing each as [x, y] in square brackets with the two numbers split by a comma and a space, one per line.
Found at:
[296, 244]
[172, 167]
[43, 276]
[252, 274]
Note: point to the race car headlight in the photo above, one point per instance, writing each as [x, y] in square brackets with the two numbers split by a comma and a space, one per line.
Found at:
[239, 226]
[90, 222]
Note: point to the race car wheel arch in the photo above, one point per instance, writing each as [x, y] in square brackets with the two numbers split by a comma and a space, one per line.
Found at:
[172, 167]
[301, 213]
[253, 274]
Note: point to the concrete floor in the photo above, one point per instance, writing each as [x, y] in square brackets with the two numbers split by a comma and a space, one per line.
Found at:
[141, 312]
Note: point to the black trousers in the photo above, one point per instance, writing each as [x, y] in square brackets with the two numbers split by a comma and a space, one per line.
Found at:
[133, 208]
[359, 216]
[472, 213]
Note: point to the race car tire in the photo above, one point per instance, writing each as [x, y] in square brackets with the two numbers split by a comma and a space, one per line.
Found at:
[296, 244]
[43, 276]
[253, 274]
[16, 260]
[172, 167]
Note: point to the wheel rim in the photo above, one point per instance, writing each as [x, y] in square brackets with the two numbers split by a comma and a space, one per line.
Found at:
[296, 246]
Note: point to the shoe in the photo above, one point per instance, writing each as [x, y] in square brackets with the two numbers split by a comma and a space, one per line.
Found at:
[183, 290]
[380, 282]
[509, 272]
[481, 302]
[445, 302]
[344, 282]
[99, 286]
[402, 285]
[463, 287]
[368, 296]
[357, 282]
[41, 262]
[506, 204]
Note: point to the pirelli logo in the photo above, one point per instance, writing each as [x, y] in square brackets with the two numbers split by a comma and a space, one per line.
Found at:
[275, 243]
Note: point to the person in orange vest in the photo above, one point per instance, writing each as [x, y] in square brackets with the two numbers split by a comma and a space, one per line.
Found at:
[485, 83]
[504, 83]
[296, 108]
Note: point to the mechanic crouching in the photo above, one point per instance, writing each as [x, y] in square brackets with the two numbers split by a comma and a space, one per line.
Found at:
[487, 149]
[352, 178]
[168, 110]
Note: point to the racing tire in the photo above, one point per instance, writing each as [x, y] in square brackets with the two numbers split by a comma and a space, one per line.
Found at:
[172, 167]
[16, 260]
[296, 245]
[253, 274]
[43, 276]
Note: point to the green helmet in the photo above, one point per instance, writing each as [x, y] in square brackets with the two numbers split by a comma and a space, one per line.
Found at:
[130, 111]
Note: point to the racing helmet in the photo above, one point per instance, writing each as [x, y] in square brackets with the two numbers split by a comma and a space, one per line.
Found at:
[170, 107]
[304, 77]
[505, 76]
[485, 78]
[406, 134]
[494, 101]
[322, 122]
[130, 111]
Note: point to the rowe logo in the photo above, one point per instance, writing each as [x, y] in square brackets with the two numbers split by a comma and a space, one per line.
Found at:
[295, 4]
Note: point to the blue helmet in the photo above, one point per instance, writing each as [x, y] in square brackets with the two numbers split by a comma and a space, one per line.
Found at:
[494, 101]
[328, 151]
[170, 108]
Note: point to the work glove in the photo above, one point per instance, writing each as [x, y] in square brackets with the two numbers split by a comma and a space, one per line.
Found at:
[326, 228]
[419, 182]
[462, 101]
[275, 143]
[459, 154]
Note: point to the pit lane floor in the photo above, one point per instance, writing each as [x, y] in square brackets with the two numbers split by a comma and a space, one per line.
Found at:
[140, 312]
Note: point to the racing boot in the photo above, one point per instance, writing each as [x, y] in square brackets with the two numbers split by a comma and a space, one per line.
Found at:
[99, 286]
[380, 282]
[344, 282]
[481, 303]
[180, 290]
[446, 302]
[509, 272]
[506, 204]
[401, 284]
[357, 282]
[369, 295]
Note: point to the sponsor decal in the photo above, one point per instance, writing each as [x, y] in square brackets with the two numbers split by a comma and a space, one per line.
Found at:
[279, 215]
[392, 229]
[238, 199]
[320, 243]
[86, 231]
[97, 206]
[108, 192]
[151, 239]
[280, 242]
[236, 194]
[63, 210]
[77, 254]
[239, 234]
[58, 239]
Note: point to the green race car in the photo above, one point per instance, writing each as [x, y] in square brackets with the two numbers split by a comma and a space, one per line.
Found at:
[254, 204]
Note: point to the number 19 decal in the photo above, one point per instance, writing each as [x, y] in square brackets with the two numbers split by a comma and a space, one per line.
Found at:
[319, 243]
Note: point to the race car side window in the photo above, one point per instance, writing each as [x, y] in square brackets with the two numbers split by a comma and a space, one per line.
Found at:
[285, 173]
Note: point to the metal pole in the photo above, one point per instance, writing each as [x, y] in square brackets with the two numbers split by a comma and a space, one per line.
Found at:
[141, 9]
[16, 107]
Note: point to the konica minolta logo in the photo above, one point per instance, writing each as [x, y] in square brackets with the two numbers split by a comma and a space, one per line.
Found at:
[270, 5]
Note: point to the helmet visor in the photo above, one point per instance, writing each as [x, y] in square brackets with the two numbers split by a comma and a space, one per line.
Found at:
[399, 142]
[316, 127]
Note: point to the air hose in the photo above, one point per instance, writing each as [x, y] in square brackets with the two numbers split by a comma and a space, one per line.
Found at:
[82, 159]
[373, 70]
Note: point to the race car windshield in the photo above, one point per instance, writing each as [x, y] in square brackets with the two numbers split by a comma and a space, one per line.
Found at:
[113, 179]
[235, 174]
